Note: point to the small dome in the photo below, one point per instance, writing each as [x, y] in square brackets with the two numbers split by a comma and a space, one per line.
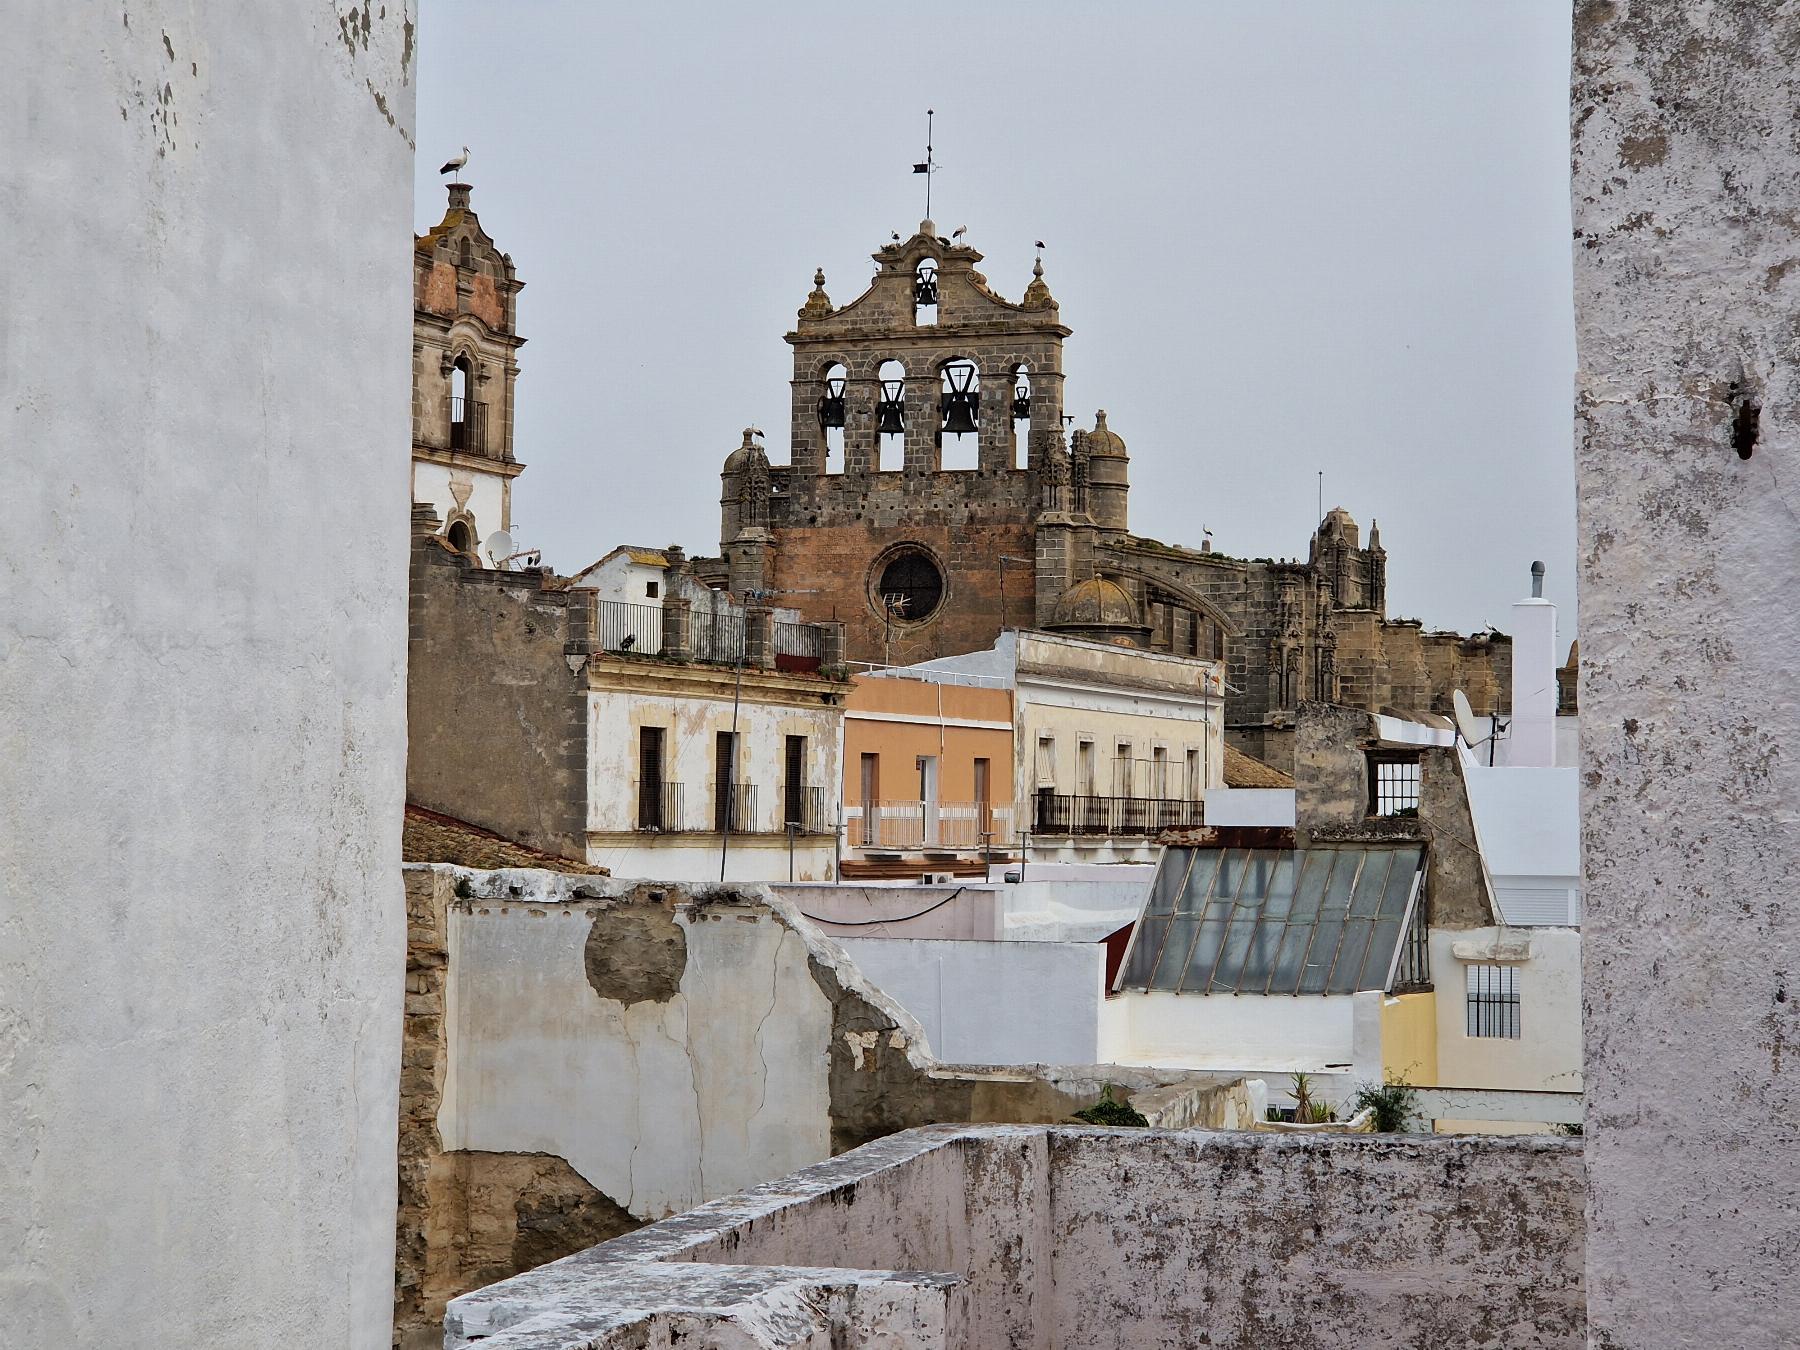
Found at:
[1102, 440]
[745, 455]
[1095, 603]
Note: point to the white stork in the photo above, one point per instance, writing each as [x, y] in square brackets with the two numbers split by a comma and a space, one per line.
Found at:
[453, 165]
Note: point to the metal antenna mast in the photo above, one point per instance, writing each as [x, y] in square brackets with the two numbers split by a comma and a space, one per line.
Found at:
[929, 166]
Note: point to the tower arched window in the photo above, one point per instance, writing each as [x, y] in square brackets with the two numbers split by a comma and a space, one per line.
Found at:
[833, 415]
[925, 293]
[1020, 412]
[959, 414]
[465, 412]
[890, 415]
[461, 536]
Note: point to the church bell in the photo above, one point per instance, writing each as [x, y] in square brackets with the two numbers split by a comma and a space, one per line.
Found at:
[960, 400]
[831, 406]
[925, 286]
[890, 408]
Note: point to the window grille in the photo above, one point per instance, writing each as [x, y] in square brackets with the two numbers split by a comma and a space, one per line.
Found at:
[1494, 1001]
[1393, 785]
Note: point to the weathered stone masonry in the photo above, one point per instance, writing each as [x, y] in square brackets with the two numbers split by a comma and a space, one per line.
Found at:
[1014, 541]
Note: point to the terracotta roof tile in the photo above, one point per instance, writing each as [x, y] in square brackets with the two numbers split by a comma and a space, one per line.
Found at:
[431, 837]
[1241, 771]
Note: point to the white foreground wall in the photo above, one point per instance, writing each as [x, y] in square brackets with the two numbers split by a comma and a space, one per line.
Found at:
[993, 1002]
[205, 384]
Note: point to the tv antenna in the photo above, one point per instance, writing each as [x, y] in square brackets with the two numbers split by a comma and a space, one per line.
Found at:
[1469, 726]
[503, 549]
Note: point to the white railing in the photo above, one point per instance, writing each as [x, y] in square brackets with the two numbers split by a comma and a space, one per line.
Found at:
[912, 825]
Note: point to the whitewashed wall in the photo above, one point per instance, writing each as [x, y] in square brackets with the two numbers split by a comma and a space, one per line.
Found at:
[1247, 1033]
[204, 392]
[993, 1002]
[486, 500]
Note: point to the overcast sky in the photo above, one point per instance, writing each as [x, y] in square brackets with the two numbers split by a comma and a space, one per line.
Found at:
[1319, 236]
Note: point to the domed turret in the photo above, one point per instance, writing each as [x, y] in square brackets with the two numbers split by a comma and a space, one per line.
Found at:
[1109, 470]
[742, 481]
[1097, 608]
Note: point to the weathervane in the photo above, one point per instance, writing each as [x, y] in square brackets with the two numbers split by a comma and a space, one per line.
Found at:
[929, 165]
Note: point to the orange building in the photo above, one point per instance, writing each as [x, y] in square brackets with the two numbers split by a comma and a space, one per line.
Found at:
[928, 777]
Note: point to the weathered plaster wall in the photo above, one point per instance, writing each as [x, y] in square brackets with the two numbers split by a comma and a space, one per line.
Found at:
[1331, 769]
[206, 217]
[497, 698]
[584, 1054]
[1686, 297]
[1145, 1239]
[994, 1002]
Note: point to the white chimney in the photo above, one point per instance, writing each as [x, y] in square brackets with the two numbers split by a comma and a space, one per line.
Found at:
[1532, 739]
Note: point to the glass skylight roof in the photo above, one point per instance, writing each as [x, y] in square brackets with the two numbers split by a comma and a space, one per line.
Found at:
[1274, 921]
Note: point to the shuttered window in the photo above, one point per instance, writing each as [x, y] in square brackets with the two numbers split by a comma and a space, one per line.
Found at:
[793, 790]
[650, 778]
[724, 778]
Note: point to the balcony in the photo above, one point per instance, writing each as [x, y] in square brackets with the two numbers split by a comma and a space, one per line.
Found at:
[799, 646]
[660, 807]
[468, 426]
[734, 809]
[1127, 817]
[806, 811]
[910, 826]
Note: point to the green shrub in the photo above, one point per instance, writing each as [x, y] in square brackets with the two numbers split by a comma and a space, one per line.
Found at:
[1109, 1110]
[1392, 1104]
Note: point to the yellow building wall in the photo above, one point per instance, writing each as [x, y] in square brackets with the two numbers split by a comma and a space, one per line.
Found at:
[1409, 1039]
[900, 720]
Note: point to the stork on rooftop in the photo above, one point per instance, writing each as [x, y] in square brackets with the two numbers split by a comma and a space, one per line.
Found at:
[456, 163]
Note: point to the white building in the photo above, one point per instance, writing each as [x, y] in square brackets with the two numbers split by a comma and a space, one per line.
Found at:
[203, 348]
[1112, 745]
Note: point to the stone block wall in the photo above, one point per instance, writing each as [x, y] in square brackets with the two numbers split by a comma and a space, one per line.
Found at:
[497, 706]
[1152, 1240]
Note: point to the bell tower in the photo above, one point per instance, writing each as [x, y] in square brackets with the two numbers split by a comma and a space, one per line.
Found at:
[923, 415]
[465, 367]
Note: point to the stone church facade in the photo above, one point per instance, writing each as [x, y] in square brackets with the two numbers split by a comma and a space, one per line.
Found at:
[932, 499]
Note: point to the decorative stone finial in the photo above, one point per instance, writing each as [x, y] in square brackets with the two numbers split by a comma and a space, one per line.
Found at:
[818, 304]
[1037, 294]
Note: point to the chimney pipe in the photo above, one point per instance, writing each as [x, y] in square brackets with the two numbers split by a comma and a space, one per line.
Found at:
[1537, 581]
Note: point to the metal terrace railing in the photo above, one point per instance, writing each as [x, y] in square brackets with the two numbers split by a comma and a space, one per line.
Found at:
[717, 635]
[799, 646]
[1082, 814]
[626, 627]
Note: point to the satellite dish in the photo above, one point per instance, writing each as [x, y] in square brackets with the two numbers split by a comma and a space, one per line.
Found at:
[1466, 722]
[499, 546]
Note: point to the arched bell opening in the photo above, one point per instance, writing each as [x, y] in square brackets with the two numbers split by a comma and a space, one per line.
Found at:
[832, 414]
[925, 293]
[959, 414]
[1019, 412]
[890, 416]
[465, 415]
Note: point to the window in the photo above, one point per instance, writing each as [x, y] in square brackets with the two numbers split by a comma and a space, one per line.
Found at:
[1196, 785]
[724, 779]
[1159, 771]
[1494, 1000]
[1084, 768]
[871, 782]
[465, 431]
[651, 588]
[461, 537]
[984, 816]
[1393, 785]
[1122, 771]
[794, 789]
[650, 779]
[910, 587]
[1046, 762]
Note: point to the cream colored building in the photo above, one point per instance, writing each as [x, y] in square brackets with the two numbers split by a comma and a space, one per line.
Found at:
[1111, 744]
